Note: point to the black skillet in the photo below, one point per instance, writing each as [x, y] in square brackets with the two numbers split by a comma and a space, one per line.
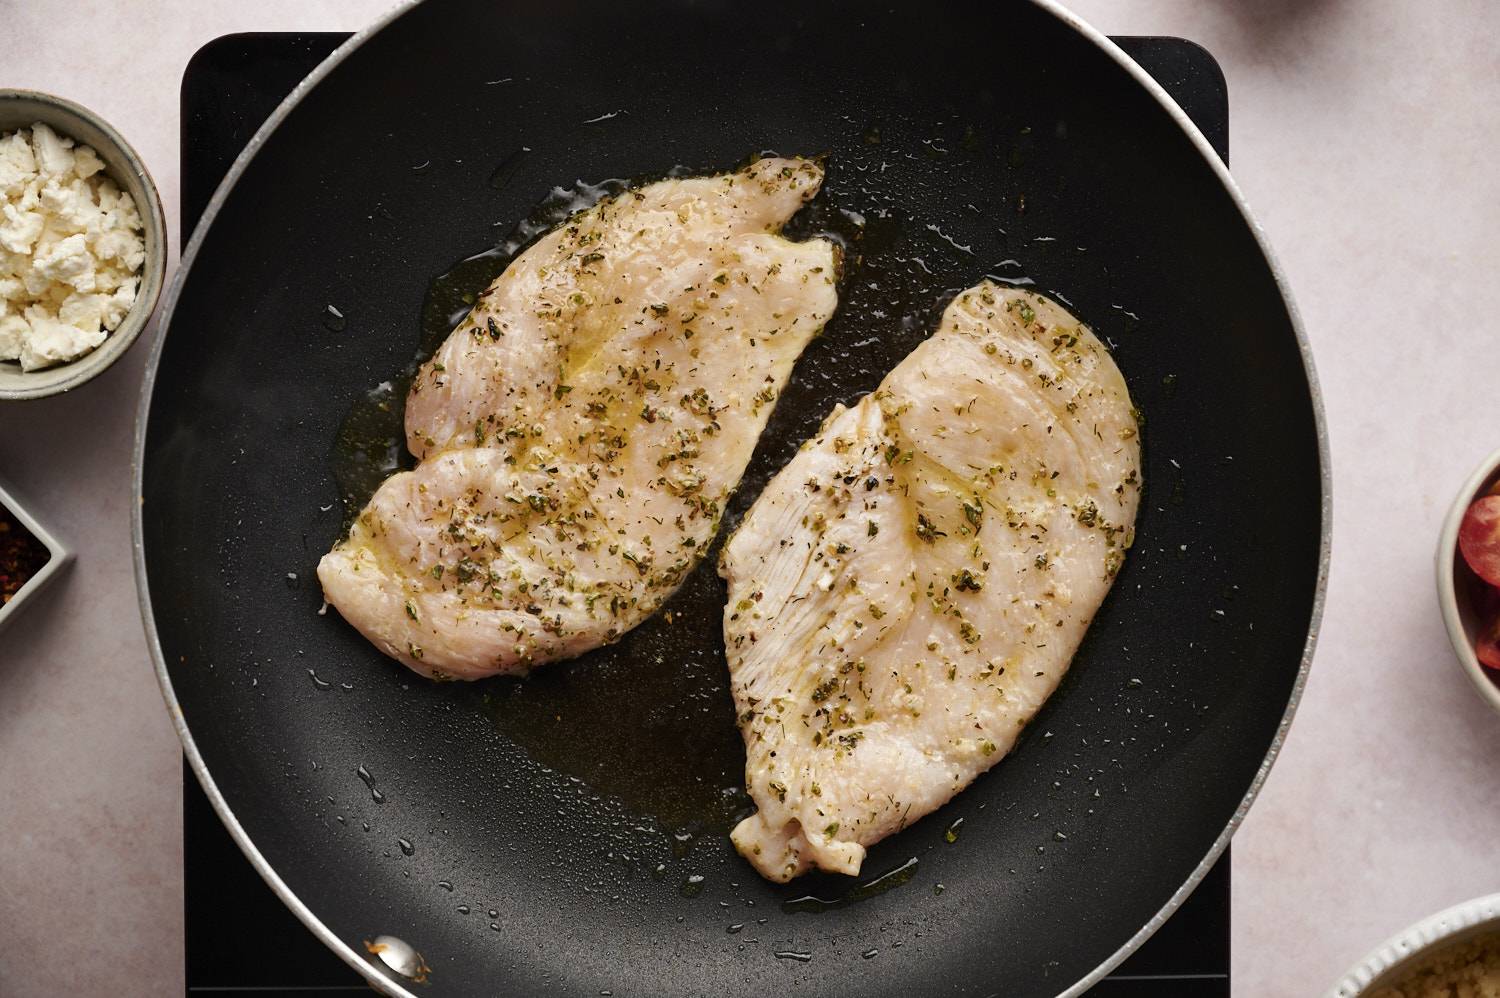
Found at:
[585, 807]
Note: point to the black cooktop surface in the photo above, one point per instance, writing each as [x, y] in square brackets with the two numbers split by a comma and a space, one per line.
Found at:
[240, 938]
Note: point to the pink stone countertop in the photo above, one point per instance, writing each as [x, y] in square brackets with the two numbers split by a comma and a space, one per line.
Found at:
[1365, 134]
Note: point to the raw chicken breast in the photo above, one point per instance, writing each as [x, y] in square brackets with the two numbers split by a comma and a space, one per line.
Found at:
[581, 429]
[909, 590]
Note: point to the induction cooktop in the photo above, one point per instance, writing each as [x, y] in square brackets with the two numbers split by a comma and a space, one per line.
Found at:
[240, 938]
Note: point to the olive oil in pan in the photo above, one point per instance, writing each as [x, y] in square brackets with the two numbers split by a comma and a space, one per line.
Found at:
[371, 442]
[874, 887]
[650, 720]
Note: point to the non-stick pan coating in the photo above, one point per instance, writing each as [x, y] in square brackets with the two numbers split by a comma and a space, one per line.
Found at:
[566, 833]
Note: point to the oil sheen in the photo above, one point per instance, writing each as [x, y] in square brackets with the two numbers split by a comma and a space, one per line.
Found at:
[649, 721]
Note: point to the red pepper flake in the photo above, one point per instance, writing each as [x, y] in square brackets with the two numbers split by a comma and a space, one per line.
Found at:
[21, 555]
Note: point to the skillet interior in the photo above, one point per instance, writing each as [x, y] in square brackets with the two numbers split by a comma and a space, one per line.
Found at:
[1209, 617]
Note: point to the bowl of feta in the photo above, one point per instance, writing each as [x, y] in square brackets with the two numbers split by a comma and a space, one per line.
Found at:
[82, 245]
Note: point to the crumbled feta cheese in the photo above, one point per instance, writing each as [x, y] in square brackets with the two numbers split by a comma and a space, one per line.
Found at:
[121, 245]
[71, 247]
[19, 229]
[17, 164]
[107, 194]
[72, 206]
[67, 261]
[38, 285]
[30, 198]
[82, 311]
[124, 215]
[108, 278]
[54, 153]
[117, 304]
[86, 162]
[52, 342]
[14, 331]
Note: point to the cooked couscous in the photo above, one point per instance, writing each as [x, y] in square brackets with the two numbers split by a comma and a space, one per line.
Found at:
[1468, 970]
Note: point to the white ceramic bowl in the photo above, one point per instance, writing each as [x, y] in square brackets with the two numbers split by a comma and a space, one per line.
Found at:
[20, 109]
[59, 556]
[1402, 952]
[1458, 587]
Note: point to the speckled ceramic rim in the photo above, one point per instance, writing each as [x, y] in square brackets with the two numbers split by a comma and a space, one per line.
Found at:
[1447, 554]
[58, 557]
[356, 960]
[1404, 950]
[66, 377]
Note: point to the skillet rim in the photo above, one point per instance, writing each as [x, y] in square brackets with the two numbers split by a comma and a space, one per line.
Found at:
[368, 969]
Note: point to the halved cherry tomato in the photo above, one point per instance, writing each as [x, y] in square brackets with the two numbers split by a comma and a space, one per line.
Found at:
[1479, 538]
[1487, 647]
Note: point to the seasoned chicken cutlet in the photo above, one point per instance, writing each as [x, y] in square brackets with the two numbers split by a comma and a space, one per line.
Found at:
[911, 587]
[581, 429]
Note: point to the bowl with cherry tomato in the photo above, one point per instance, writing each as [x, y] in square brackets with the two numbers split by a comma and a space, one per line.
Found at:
[1468, 578]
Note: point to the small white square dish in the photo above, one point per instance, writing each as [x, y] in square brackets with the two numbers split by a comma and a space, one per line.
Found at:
[23, 541]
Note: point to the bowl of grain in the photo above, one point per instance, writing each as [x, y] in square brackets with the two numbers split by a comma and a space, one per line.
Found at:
[1453, 954]
[83, 245]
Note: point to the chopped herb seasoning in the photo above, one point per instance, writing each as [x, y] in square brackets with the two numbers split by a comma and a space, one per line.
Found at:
[974, 513]
[926, 531]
